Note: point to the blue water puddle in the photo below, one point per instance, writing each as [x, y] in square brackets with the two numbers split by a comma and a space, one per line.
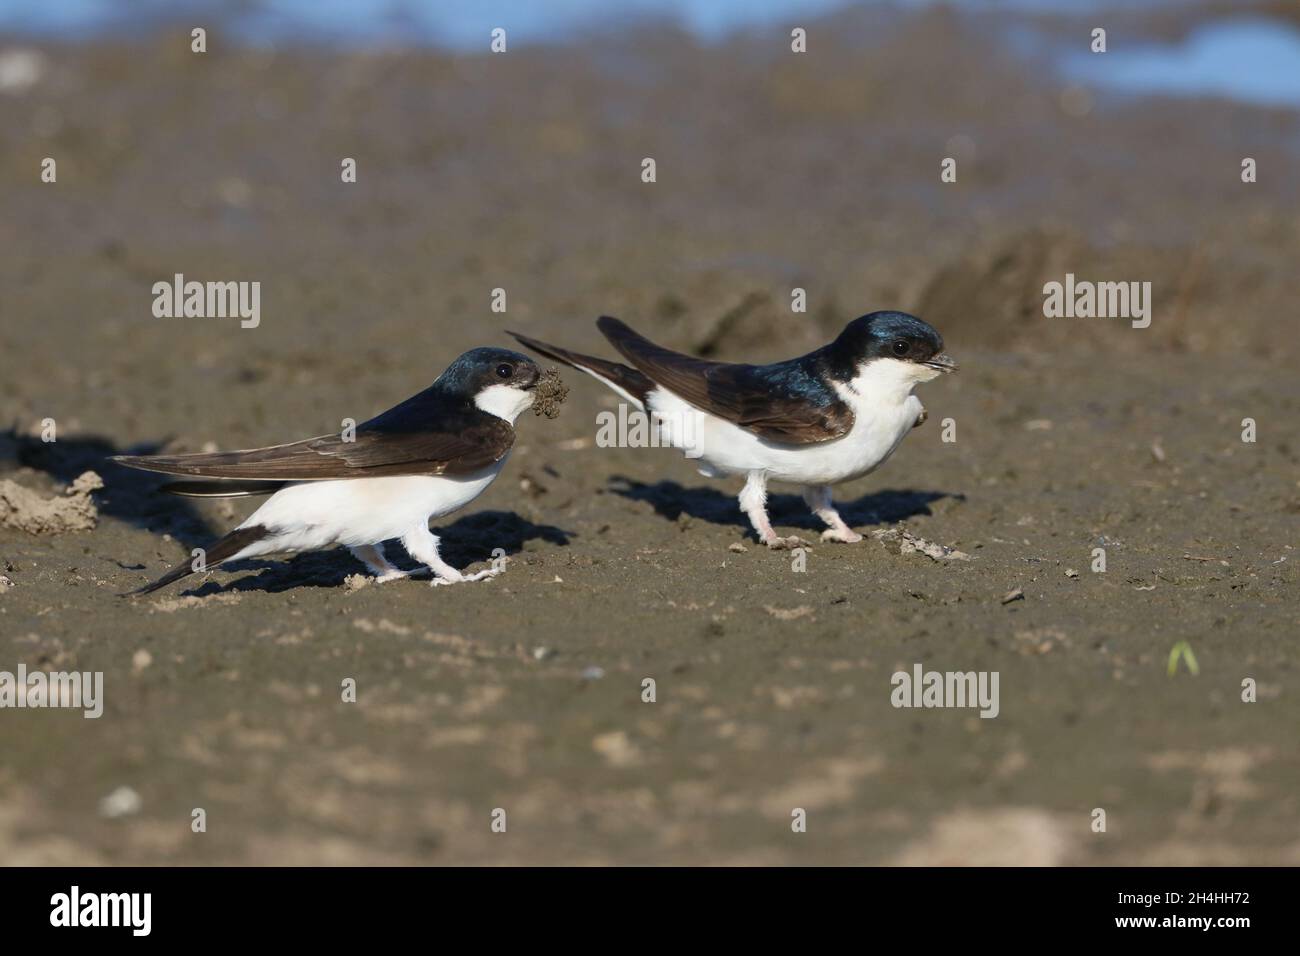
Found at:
[1253, 60]
[458, 24]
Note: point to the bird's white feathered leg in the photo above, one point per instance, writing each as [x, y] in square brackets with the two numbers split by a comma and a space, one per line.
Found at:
[422, 544]
[372, 556]
[753, 501]
[819, 500]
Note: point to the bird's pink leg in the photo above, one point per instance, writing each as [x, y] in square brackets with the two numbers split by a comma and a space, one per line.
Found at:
[819, 500]
[753, 501]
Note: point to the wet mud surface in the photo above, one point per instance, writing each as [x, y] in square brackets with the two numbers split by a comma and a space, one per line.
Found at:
[772, 684]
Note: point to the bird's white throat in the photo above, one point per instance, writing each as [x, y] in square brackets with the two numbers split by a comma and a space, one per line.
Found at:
[886, 380]
[504, 401]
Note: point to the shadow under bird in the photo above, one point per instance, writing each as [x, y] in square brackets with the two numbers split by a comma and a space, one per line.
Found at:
[425, 458]
[827, 417]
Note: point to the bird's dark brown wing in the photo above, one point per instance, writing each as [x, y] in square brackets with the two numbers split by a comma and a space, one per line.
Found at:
[422, 436]
[786, 402]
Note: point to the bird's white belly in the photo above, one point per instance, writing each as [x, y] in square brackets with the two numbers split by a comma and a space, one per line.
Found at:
[878, 428]
[320, 514]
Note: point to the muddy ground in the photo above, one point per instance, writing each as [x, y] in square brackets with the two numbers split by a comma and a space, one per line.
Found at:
[773, 686]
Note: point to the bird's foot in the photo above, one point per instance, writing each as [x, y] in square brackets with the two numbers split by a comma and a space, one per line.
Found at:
[452, 576]
[844, 535]
[776, 543]
[372, 556]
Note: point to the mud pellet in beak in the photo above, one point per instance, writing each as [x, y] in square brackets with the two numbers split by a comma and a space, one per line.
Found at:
[549, 394]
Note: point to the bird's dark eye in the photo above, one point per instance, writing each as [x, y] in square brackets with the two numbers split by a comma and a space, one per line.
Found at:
[900, 348]
[505, 371]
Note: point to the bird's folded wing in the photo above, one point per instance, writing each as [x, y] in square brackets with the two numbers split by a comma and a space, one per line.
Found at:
[761, 399]
[478, 441]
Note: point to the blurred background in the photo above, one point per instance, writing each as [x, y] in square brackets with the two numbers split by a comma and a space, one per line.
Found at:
[817, 170]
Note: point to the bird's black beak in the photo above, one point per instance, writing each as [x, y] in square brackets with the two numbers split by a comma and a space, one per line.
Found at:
[529, 382]
[943, 362]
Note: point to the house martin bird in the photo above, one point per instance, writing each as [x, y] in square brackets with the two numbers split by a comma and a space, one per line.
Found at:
[425, 458]
[831, 416]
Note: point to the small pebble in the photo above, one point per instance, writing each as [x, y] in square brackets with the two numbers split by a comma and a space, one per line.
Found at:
[122, 802]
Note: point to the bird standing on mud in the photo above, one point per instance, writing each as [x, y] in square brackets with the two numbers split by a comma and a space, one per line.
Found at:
[425, 458]
[827, 417]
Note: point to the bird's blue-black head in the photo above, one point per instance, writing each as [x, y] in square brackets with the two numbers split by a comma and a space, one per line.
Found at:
[887, 335]
[482, 368]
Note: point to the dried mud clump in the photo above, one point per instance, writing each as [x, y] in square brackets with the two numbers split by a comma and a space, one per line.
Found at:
[549, 394]
[904, 542]
[25, 510]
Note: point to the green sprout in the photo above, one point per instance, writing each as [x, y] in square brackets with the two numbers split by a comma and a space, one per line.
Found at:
[1183, 649]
